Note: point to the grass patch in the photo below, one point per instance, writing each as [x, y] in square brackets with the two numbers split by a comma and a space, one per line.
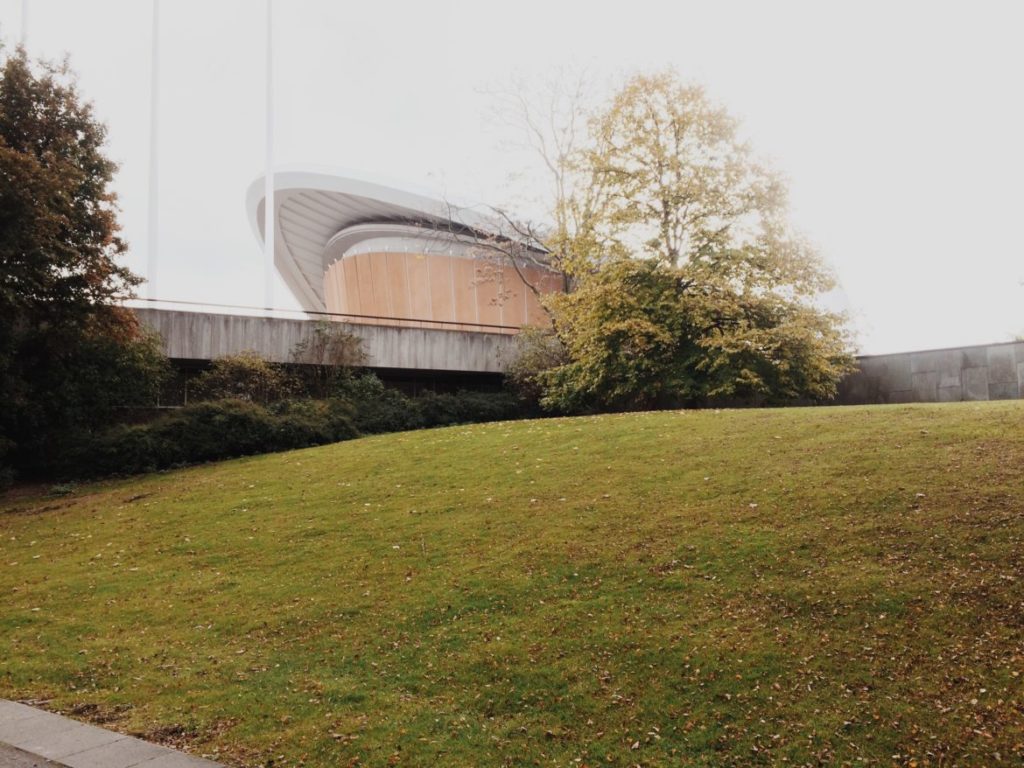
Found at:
[811, 586]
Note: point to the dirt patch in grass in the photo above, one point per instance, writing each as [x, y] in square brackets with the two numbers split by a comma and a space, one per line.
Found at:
[99, 714]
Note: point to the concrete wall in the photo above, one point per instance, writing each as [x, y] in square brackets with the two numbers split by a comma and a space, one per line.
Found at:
[204, 336]
[992, 372]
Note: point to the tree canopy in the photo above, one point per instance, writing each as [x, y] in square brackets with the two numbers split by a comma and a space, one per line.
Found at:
[688, 280]
[69, 352]
[58, 216]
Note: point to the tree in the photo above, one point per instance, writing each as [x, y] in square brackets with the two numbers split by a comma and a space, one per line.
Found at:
[534, 352]
[245, 376]
[69, 353]
[626, 338]
[328, 357]
[639, 336]
[688, 280]
[550, 123]
[682, 187]
[58, 216]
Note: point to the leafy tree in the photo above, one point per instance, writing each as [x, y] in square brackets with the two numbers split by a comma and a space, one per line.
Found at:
[58, 216]
[328, 356]
[689, 281]
[534, 352]
[627, 341]
[638, 335]
[681, 185]
[69, 354]
[245, 376]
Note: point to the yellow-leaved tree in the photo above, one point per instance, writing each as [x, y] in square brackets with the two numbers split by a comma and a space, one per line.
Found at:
[688, 281]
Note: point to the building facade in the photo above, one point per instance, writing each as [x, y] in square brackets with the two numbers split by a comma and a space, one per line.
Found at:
[363, 252]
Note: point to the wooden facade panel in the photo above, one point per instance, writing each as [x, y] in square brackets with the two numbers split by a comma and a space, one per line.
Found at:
[418, 269]
[511, 296]
[535, 314]
[367, 303]
[441, 298]
[334, 290]
[340, 295]
[381, 285]
[350, 274]
[398, 284]
[489, 280]
[464, 289]
[456, 291]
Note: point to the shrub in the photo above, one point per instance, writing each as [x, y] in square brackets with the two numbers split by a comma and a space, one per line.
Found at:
[377, 408]
[327, 357]
[314, 422]
[222, 429]
[6, 470]
[436, 410]
[245, 376]
[207, 431]
[79, 386]
[535, 351]
[123, 450]
[196, 433]
[210, 431]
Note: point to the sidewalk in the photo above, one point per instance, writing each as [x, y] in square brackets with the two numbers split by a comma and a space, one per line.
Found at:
[12, 757]
[32, 738]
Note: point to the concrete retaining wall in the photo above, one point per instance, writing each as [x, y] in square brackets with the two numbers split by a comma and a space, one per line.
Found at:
[991, 372]
[205, 336]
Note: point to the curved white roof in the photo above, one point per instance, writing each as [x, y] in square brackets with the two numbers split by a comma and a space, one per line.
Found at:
[315, 210]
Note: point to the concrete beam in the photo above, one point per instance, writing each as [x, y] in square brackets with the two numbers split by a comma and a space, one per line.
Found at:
[206, 336]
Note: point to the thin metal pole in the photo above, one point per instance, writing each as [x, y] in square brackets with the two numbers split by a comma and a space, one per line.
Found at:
[268, 196]
[154, 154]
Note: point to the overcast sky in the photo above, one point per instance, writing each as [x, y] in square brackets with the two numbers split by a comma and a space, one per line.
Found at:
[900, 125]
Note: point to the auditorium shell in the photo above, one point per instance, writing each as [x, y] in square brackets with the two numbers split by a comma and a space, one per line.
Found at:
[363, 252]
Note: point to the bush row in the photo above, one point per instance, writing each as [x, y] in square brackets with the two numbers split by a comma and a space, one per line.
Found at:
[377, 408]
[222, 429]
[210, 431]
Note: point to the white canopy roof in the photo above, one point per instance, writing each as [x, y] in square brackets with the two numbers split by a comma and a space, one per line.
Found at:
[314, 208]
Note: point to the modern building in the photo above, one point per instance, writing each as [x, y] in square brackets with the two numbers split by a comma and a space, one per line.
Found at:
[420, 283]
[434, 291]
[364, 252]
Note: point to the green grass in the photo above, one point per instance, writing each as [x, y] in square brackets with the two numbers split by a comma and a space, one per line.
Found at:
[759, 587]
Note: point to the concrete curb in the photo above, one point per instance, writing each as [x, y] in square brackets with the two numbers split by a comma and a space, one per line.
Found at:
[77, 745]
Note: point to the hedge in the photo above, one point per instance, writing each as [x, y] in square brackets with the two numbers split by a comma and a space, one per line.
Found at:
[223, 429]
[208, 432]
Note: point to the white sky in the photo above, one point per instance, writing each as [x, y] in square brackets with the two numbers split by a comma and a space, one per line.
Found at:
[899, 124]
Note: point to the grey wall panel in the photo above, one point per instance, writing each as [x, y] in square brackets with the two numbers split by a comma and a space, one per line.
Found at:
[205, 336]
[1002, 368]
[975, 383]
[926, 386]
[987, 372]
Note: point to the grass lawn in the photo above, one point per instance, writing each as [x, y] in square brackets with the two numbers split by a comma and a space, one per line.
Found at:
[758, 587]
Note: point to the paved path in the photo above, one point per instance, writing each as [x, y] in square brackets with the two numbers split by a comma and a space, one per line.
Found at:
[32, 738]
[12, 757]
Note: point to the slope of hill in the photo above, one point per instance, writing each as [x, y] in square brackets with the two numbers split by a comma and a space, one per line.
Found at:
[811, 586]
